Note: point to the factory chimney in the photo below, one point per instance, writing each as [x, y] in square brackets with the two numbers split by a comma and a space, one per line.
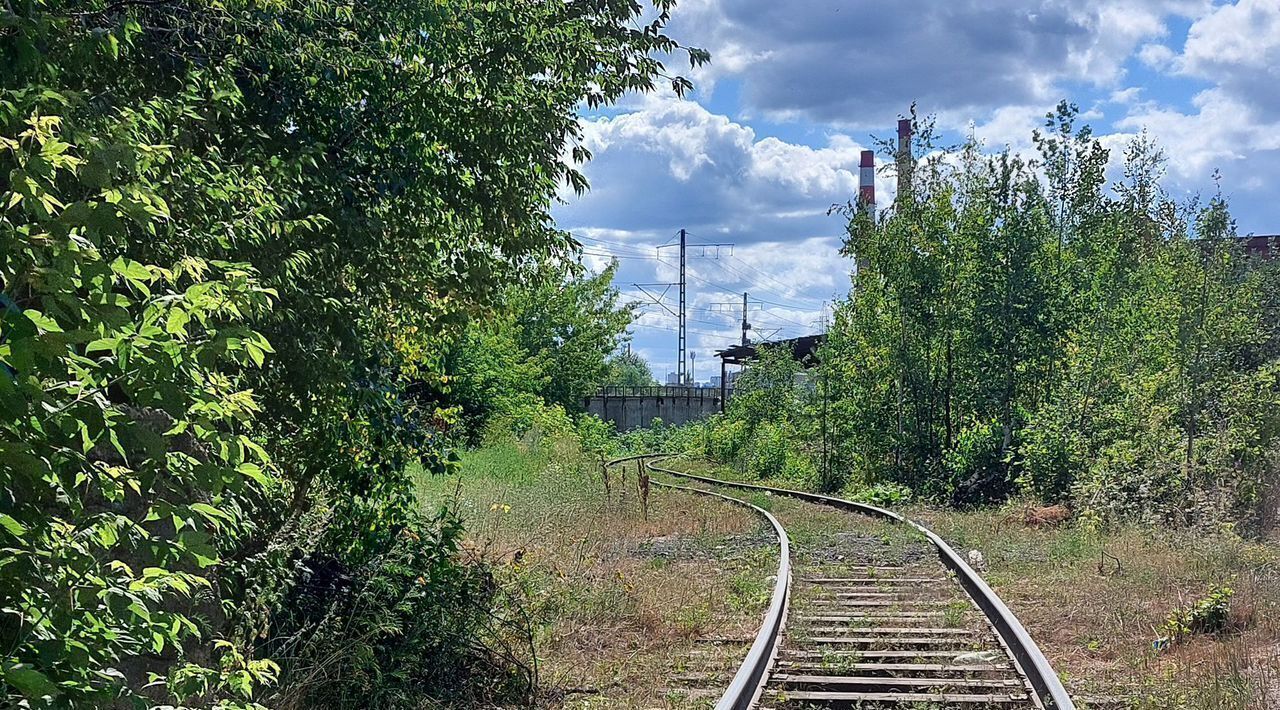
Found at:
[904, 158]
[867, 180]
[866, 195]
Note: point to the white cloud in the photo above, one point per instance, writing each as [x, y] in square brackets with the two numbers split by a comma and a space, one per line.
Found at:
[1244, 34]
[1222, 132]
[995, 67]
[860, 63]
[673, 164]
[1157, 56]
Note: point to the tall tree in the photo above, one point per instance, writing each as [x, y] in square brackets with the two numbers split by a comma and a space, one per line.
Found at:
[213, 211]
[628, 370]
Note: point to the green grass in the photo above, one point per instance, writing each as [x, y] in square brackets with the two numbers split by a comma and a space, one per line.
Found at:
[615, 598]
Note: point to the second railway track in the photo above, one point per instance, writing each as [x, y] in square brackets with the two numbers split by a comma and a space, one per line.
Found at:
[873, 611]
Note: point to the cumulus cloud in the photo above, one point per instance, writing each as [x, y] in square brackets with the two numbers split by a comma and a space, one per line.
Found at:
[674, 164]
[1237, 46]
[860, 63]
[840, 69]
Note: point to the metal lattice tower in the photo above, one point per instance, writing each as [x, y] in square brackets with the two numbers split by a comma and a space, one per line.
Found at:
[681, 338]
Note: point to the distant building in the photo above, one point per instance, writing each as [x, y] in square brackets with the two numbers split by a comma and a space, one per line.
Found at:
[1263, 246]
[673, 378]
[715, 380]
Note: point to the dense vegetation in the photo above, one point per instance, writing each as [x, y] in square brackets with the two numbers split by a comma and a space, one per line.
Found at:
[1025, 327]
[238, 242]
[262, 258]
[547, 346]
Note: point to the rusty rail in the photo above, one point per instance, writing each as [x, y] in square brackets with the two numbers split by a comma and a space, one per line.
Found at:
[748, 682]
[1044, 681]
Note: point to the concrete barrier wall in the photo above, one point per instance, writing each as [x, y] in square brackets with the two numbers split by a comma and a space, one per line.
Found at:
[672, 407]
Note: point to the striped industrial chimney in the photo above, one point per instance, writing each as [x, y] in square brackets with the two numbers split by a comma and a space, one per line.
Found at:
[867, 181]
[866, 196]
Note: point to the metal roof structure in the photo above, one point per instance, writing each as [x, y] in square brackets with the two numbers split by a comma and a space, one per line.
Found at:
[804, 350]
[1266, 246]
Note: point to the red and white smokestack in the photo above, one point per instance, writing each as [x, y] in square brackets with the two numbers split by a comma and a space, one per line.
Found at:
[867, 180]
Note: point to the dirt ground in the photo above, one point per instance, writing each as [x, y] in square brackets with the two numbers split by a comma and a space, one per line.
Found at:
[1097, 602]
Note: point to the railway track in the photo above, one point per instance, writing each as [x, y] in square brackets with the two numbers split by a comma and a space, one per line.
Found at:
[879, 614]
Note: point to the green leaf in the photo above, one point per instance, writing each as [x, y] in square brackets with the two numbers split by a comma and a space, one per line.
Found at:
[212, 514]
[254, 472]
[43, 322]
[29, 681]
[140, 611]
[13, 526]
[108, 535]
[177, 321]
[101, 344]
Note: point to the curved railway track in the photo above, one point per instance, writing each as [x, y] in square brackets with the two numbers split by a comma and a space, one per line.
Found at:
[855, 631]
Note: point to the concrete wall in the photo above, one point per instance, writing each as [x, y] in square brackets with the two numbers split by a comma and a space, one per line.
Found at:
[671, 404]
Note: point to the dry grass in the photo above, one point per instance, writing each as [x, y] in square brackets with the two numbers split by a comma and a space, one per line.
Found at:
[619, 602]
[1095, 600]
[1097, 616]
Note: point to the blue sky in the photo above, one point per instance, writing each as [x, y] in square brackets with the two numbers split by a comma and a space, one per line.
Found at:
[770, 138]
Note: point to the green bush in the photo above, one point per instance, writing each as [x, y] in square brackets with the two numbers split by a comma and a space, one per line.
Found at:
[886, 494]
[976, 467]
[1207, 615]
[125, 470]
[357, 637]
[1053, 454]
[728, 438]
[767, 451]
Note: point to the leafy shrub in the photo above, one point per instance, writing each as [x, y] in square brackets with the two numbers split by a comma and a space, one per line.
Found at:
[1206, 615]
[125, 472]
[977, 469]
[1053, 454]
[766, 452]
[357, 637]
[531, 420]
[799, 471]
[886, 494]
[727, 438]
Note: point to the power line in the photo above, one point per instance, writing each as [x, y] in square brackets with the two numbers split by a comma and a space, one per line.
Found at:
[750, 279]
[618, 256]
[669, 329]
[742, 261]
[606, 241]
[726, 289]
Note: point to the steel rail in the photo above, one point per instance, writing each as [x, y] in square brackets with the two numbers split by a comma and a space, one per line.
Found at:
[749, 680]
[1044, 681]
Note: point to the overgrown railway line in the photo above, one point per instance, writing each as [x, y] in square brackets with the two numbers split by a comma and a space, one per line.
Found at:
[859, 631]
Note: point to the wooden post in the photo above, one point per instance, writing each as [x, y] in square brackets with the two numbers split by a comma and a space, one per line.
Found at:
[643, 480]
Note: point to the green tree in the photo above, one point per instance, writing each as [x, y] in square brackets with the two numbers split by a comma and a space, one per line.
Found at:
[628, 370]
[569, 328]
[548, 347]
[1017, 323]
[375, 175]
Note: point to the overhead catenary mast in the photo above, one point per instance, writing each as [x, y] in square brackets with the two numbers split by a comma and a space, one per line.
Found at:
[682, 376]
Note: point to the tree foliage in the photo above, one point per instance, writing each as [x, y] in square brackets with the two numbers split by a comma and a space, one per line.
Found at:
[628, 369]
[231, 235]
[1024, 326]
[1020, 325]
[549, 346]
